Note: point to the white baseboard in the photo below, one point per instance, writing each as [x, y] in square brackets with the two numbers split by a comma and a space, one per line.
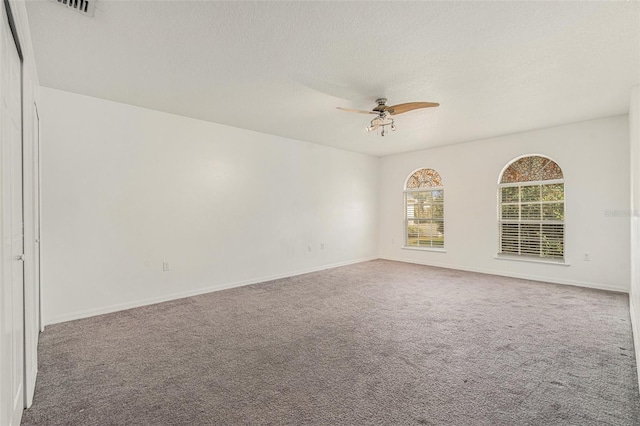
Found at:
[587, 284]
[223, 286]
[180, 295]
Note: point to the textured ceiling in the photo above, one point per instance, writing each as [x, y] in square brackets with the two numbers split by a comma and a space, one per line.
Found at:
[283, 67]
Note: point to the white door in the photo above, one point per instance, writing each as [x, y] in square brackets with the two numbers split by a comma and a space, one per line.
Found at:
[31, 193]
[11, 230]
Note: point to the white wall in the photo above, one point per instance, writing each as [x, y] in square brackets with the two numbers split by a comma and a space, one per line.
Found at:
[126, 189]
[634, 138]
[594, 158]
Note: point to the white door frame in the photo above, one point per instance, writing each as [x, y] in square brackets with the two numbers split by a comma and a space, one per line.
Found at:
[32, 317]
[37, 210]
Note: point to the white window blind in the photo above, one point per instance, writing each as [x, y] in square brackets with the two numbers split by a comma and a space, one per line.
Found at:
[424, 218]
[531, 219]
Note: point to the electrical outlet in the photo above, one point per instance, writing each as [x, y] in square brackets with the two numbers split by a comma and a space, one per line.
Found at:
[165, 266]
[586, 257]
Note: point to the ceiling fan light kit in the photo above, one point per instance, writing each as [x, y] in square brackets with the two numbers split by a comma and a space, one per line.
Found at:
[384, 112]
[380, 122]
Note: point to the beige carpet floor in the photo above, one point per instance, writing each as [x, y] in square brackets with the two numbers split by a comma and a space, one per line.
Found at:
[376, 343]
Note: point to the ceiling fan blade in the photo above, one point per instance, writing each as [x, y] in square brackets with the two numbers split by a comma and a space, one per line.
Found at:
[357, 110]
[410, 106]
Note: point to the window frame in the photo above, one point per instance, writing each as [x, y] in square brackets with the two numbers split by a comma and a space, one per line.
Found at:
[541, 221]
[405, 194]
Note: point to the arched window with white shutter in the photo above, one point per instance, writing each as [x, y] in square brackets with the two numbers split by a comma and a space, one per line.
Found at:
[424, 210]
[531, 209]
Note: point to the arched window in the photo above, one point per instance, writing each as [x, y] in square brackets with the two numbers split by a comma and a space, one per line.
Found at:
[424, 210]
[531, 209]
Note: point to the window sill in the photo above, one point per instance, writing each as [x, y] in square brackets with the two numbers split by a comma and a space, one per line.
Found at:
[435, 249]
[531, 260]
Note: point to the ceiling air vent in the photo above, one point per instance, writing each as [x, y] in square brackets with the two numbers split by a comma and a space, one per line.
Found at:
[86, 7]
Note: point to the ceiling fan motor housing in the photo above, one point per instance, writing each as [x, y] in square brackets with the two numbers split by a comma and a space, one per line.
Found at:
[382, 104]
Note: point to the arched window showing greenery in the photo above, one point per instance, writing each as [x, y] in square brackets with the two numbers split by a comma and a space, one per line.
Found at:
[424, 210]
[531, 209]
